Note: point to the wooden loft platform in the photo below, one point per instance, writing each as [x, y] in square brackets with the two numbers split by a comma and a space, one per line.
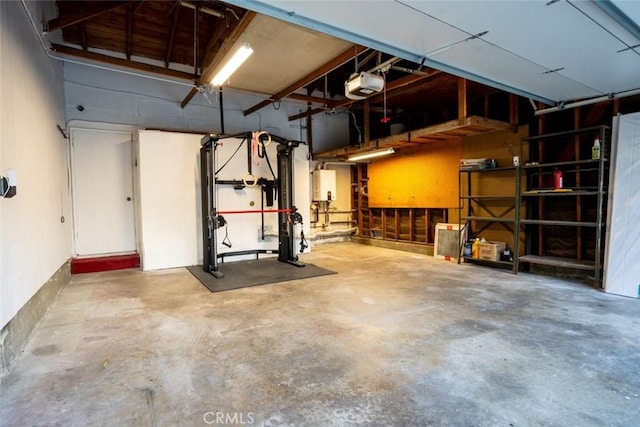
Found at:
[451, 130]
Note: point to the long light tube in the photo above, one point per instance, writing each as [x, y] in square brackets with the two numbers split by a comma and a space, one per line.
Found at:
[371, 154]
[232, 65]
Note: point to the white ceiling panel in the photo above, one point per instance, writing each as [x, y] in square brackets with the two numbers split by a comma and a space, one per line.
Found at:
[591, 50]
[513, 70]
[564, 41]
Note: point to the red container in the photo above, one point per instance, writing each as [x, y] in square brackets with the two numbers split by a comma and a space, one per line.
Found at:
[557, 178]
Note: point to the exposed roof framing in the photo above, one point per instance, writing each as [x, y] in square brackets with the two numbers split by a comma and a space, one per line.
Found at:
[336, 62]
[86, 11]
[390, 86]
[172, 34]
[207, 74]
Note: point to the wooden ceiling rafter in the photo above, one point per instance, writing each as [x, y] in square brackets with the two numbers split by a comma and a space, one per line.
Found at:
[139, 66]
[196, 21]
[83, 36]
[331, 65]
[84, 14]
[207, 74]
[309, 98]
[172, 34]
[129, 30]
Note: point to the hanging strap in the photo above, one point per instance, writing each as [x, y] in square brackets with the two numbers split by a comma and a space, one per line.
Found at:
[226, 240]
[303, 242]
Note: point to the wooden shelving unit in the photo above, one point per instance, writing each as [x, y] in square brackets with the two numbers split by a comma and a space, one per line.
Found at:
[574, 213]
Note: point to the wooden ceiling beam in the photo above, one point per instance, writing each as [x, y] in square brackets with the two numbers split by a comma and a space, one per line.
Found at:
[308, 98]
[123, 62]
[207, 74]
[307, 113]
[83, 14]
[335, 104]
[336, 62]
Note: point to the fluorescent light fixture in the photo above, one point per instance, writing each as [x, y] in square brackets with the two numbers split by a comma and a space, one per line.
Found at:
[371, 154]
[232, 65]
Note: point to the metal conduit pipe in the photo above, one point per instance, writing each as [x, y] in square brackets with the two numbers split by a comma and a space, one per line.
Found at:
[590, 101]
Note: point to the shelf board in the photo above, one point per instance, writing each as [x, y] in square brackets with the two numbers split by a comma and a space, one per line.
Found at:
[451, 130]
[487, 218]
[545, 193]
[496, 197]
[557, 262]
[555, 164]
[562, 223]
[499, 169]
[505, 263]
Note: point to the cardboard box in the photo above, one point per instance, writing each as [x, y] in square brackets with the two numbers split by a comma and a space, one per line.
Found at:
[491, 251]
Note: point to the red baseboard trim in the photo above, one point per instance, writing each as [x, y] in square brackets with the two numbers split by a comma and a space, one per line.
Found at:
[106, 263]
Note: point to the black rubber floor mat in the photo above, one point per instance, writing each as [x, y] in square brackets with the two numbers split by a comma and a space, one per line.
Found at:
[242, 274]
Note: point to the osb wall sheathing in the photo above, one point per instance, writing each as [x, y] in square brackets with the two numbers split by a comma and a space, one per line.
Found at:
[423, 176]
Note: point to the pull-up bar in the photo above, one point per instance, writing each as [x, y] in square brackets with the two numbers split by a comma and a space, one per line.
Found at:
[253, 211]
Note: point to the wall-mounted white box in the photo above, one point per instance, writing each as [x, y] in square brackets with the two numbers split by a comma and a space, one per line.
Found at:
[324, 185]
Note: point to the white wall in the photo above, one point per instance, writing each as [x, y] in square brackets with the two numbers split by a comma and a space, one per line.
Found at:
[622, 269]
[167, 182]
[34, 243]
[109, 96]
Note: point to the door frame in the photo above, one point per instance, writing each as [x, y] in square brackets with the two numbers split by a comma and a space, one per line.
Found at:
[110, 129]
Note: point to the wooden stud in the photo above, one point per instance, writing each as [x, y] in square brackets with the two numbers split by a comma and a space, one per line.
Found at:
[397, 224]
[367, 124]
[462, 101]
[427, 226]
[172, 34]
[486, 106]
[412, 228]
[513, 112]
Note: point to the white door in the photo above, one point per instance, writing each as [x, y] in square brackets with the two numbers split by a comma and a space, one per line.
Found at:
[102, 192]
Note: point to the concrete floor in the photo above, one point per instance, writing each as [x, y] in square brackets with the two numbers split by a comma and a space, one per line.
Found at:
[395, 339]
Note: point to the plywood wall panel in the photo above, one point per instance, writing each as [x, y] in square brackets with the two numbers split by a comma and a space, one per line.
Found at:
[425, 176]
